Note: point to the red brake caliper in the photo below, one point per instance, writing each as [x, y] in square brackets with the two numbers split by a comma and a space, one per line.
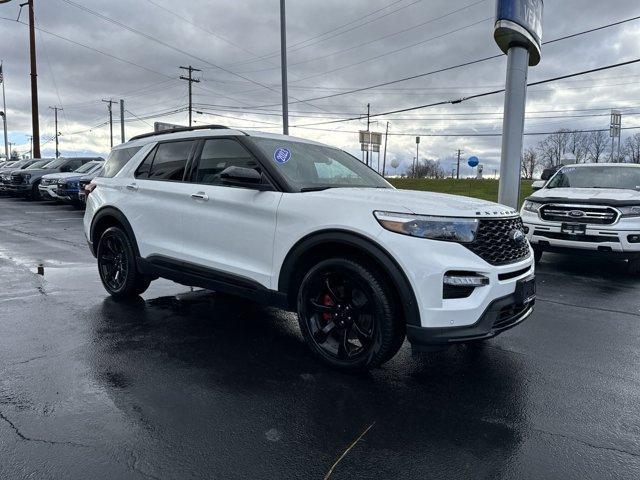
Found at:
[326, 301]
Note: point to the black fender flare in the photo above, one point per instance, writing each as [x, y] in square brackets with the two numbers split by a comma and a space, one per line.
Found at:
[120, 217]
[367, 247]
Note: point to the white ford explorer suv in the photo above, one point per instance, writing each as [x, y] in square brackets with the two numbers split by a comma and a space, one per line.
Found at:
[309, 228]
[587, 208]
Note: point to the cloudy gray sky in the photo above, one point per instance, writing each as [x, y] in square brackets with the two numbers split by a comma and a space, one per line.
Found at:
[334, 46]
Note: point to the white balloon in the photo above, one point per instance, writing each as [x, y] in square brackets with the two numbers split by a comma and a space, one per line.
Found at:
[395, 163]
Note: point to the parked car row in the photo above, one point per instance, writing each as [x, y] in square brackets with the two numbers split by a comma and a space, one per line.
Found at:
[57, 179]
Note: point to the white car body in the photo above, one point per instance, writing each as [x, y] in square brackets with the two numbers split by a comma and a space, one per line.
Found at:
[610, 233]
[250, 234]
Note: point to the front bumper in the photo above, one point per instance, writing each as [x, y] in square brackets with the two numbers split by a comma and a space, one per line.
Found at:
[18, 189]
[597, 238]
[425, 263]
[501, 315]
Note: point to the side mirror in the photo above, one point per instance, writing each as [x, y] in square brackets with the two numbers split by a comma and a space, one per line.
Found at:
[547, 173]
[243, 177]
[538, 184]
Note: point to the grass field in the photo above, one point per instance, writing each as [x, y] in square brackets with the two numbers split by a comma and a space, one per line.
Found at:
[485, 189]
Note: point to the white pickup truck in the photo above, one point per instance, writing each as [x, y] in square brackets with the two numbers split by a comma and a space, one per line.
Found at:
[587, 208]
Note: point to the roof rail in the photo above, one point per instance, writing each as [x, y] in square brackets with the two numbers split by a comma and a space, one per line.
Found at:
[180, 129]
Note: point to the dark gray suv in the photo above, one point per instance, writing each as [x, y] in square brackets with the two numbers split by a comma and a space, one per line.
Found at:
[25, 182]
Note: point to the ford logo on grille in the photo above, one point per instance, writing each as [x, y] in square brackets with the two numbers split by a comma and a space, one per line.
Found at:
[576, 213]
[517, 237]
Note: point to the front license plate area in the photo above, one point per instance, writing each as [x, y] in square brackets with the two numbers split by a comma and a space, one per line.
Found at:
[574, 228]
[525, 290]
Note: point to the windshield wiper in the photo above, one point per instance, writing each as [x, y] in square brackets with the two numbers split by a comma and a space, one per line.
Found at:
[315, 189]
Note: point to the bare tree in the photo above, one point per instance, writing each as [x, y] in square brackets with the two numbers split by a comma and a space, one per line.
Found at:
[428, 169]
[579, 146]
[530, 162]
[553, 147]
[632, 148]
[598, 143]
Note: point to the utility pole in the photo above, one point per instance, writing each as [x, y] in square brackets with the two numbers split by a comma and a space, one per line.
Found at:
[4, 113]
[368, 125]
[55, 113]
[458, 170]
[191, 81]
[34, 82]
[415, 168]
[384, 158]
[110, 109]
[121, 121]
[283, 66]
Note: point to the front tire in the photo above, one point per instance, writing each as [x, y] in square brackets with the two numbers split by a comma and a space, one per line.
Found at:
[117, 265]
[537, 254]
[347, 315]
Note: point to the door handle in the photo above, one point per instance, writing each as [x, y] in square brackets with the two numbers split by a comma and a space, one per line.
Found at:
[133, 187]
[200, 196]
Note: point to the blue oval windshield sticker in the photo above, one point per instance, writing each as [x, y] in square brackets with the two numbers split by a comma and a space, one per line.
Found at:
[282, 155]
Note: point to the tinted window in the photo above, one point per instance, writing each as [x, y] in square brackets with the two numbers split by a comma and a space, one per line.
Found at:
[170, 161]
[145, 166]
[118, 159]
[218, 155]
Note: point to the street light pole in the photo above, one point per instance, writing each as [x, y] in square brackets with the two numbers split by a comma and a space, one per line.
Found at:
[283, 66]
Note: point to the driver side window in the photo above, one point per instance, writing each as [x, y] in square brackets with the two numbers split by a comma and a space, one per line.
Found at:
[219, 154]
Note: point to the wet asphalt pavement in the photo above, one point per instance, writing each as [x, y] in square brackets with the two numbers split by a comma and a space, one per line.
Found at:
[186, 384]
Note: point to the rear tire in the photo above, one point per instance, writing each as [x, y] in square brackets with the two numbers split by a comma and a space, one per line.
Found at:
[347, 315]
[117, 265]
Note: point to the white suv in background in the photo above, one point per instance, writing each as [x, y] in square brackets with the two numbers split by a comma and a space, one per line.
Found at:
[587, 208]
[309, 228]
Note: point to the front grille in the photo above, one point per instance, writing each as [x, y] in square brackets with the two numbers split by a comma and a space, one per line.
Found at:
[589, 214]
[493, 241]
[16, 179]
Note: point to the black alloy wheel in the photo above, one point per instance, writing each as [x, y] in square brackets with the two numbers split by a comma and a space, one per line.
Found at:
[346, 314]
[117, 267]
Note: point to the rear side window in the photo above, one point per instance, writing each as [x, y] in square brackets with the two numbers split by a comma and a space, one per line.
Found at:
[168, 163]
[118, 159]
[219, 154]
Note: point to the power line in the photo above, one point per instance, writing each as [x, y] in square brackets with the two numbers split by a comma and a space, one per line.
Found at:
[172, 47]
[452, 67]
[40, 29]
[485, 94]
[301, 43]
[384, 37]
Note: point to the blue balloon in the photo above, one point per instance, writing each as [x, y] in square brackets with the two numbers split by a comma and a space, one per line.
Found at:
[473, 161]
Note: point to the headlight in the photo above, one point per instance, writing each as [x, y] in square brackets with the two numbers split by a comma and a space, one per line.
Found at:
[449, 229]
[530, 206]
[26, 177]
[630, 211]
[73, 184]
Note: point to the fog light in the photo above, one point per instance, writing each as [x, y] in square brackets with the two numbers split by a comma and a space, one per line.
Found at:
[465, 280]
[526, 229]
[634, 238]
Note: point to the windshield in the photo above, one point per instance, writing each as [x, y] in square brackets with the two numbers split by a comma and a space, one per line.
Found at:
[620, 177]
[21, 163]
[38, 164]
[87, 167]
[316, 167]
[56, 163]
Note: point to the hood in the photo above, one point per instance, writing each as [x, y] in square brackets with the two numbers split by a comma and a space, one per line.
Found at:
[64, 175]
[418, 202]
[587, 195]
[36, 172]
